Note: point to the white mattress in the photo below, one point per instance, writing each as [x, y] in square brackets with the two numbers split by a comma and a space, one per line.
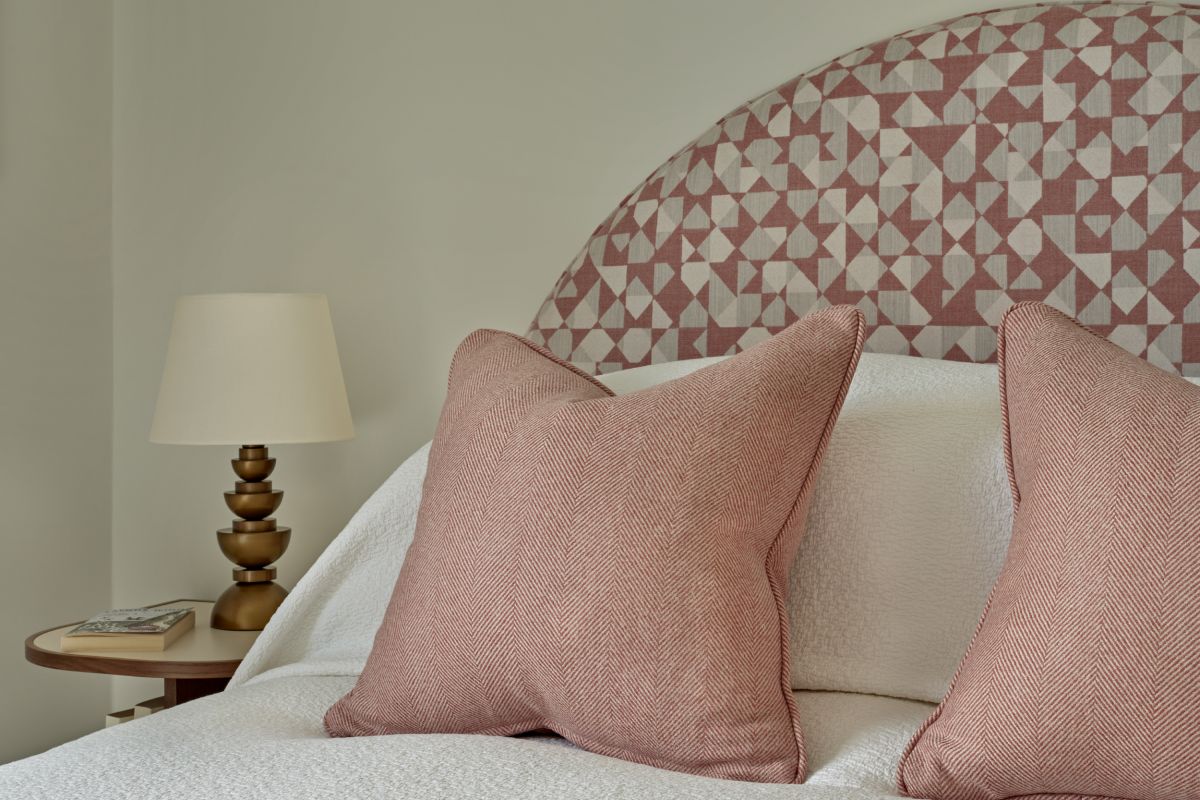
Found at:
[264, 740]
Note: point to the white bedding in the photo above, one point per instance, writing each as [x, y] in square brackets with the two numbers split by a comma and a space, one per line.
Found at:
[907, 531]
[263, 737]
[264, 740]
[908, 527]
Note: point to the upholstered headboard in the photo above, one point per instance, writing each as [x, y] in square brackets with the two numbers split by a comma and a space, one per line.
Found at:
[933, 179]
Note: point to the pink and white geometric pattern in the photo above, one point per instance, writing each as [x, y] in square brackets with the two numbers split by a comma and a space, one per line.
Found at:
[933, 179]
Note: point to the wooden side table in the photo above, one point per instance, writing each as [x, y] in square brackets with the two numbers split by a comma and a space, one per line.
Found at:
[198, 663]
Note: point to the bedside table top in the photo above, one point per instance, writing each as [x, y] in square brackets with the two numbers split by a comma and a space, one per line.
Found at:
[202, 652]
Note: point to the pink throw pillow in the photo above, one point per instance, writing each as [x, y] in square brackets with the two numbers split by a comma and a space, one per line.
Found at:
[612, 568]
[1083, 679]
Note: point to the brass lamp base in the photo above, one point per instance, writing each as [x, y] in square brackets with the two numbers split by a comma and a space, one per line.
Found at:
[247, 606]
[253, 542]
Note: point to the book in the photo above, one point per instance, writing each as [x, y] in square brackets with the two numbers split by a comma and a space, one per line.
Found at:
[142, 709]
[141, 629]
[148, 707]
[117, 717]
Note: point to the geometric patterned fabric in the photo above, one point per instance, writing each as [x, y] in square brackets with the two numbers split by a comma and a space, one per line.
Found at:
[933, 179]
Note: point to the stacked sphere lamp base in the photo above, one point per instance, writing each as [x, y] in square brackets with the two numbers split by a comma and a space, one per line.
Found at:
[253, 543]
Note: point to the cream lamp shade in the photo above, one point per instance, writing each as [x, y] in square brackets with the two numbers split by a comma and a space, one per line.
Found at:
[247, 368]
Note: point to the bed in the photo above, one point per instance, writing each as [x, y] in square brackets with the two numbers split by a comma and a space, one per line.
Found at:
[263, 736]
[933, 179]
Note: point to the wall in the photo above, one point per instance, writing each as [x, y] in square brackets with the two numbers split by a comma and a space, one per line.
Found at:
[431, 166]
[55, 354]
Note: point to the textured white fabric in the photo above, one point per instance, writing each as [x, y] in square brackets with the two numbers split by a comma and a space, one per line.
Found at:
[265, 740]
[907, 531]
[327, 623]
[908, 526]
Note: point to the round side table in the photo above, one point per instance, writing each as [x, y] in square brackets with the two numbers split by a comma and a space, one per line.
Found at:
[199, 663]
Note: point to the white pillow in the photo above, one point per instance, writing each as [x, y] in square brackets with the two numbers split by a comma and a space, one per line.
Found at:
[908, 528]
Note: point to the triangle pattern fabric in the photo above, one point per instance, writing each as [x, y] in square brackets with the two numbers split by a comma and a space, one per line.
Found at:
[1044, 153]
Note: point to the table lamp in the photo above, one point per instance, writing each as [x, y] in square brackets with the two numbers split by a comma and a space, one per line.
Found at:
[251, 370]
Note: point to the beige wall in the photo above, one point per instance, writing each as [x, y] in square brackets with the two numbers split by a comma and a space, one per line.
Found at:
[55, 354]
[432, 166]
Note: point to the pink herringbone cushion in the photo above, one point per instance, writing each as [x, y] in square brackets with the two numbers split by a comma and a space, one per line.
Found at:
[612, 568]
[1084, 677]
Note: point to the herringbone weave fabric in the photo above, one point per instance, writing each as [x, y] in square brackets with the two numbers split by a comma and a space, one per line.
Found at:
[612, 568]
[1084, 677]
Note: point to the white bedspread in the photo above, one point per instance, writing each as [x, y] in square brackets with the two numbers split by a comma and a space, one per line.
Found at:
[327, 624]
[264, 740]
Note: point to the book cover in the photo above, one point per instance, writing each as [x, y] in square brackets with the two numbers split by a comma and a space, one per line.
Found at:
[130, 629]
[130, 620]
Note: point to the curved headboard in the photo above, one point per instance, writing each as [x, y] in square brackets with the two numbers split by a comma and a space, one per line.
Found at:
[933, 179]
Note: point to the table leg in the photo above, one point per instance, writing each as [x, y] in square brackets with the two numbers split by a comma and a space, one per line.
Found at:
[181, 690]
